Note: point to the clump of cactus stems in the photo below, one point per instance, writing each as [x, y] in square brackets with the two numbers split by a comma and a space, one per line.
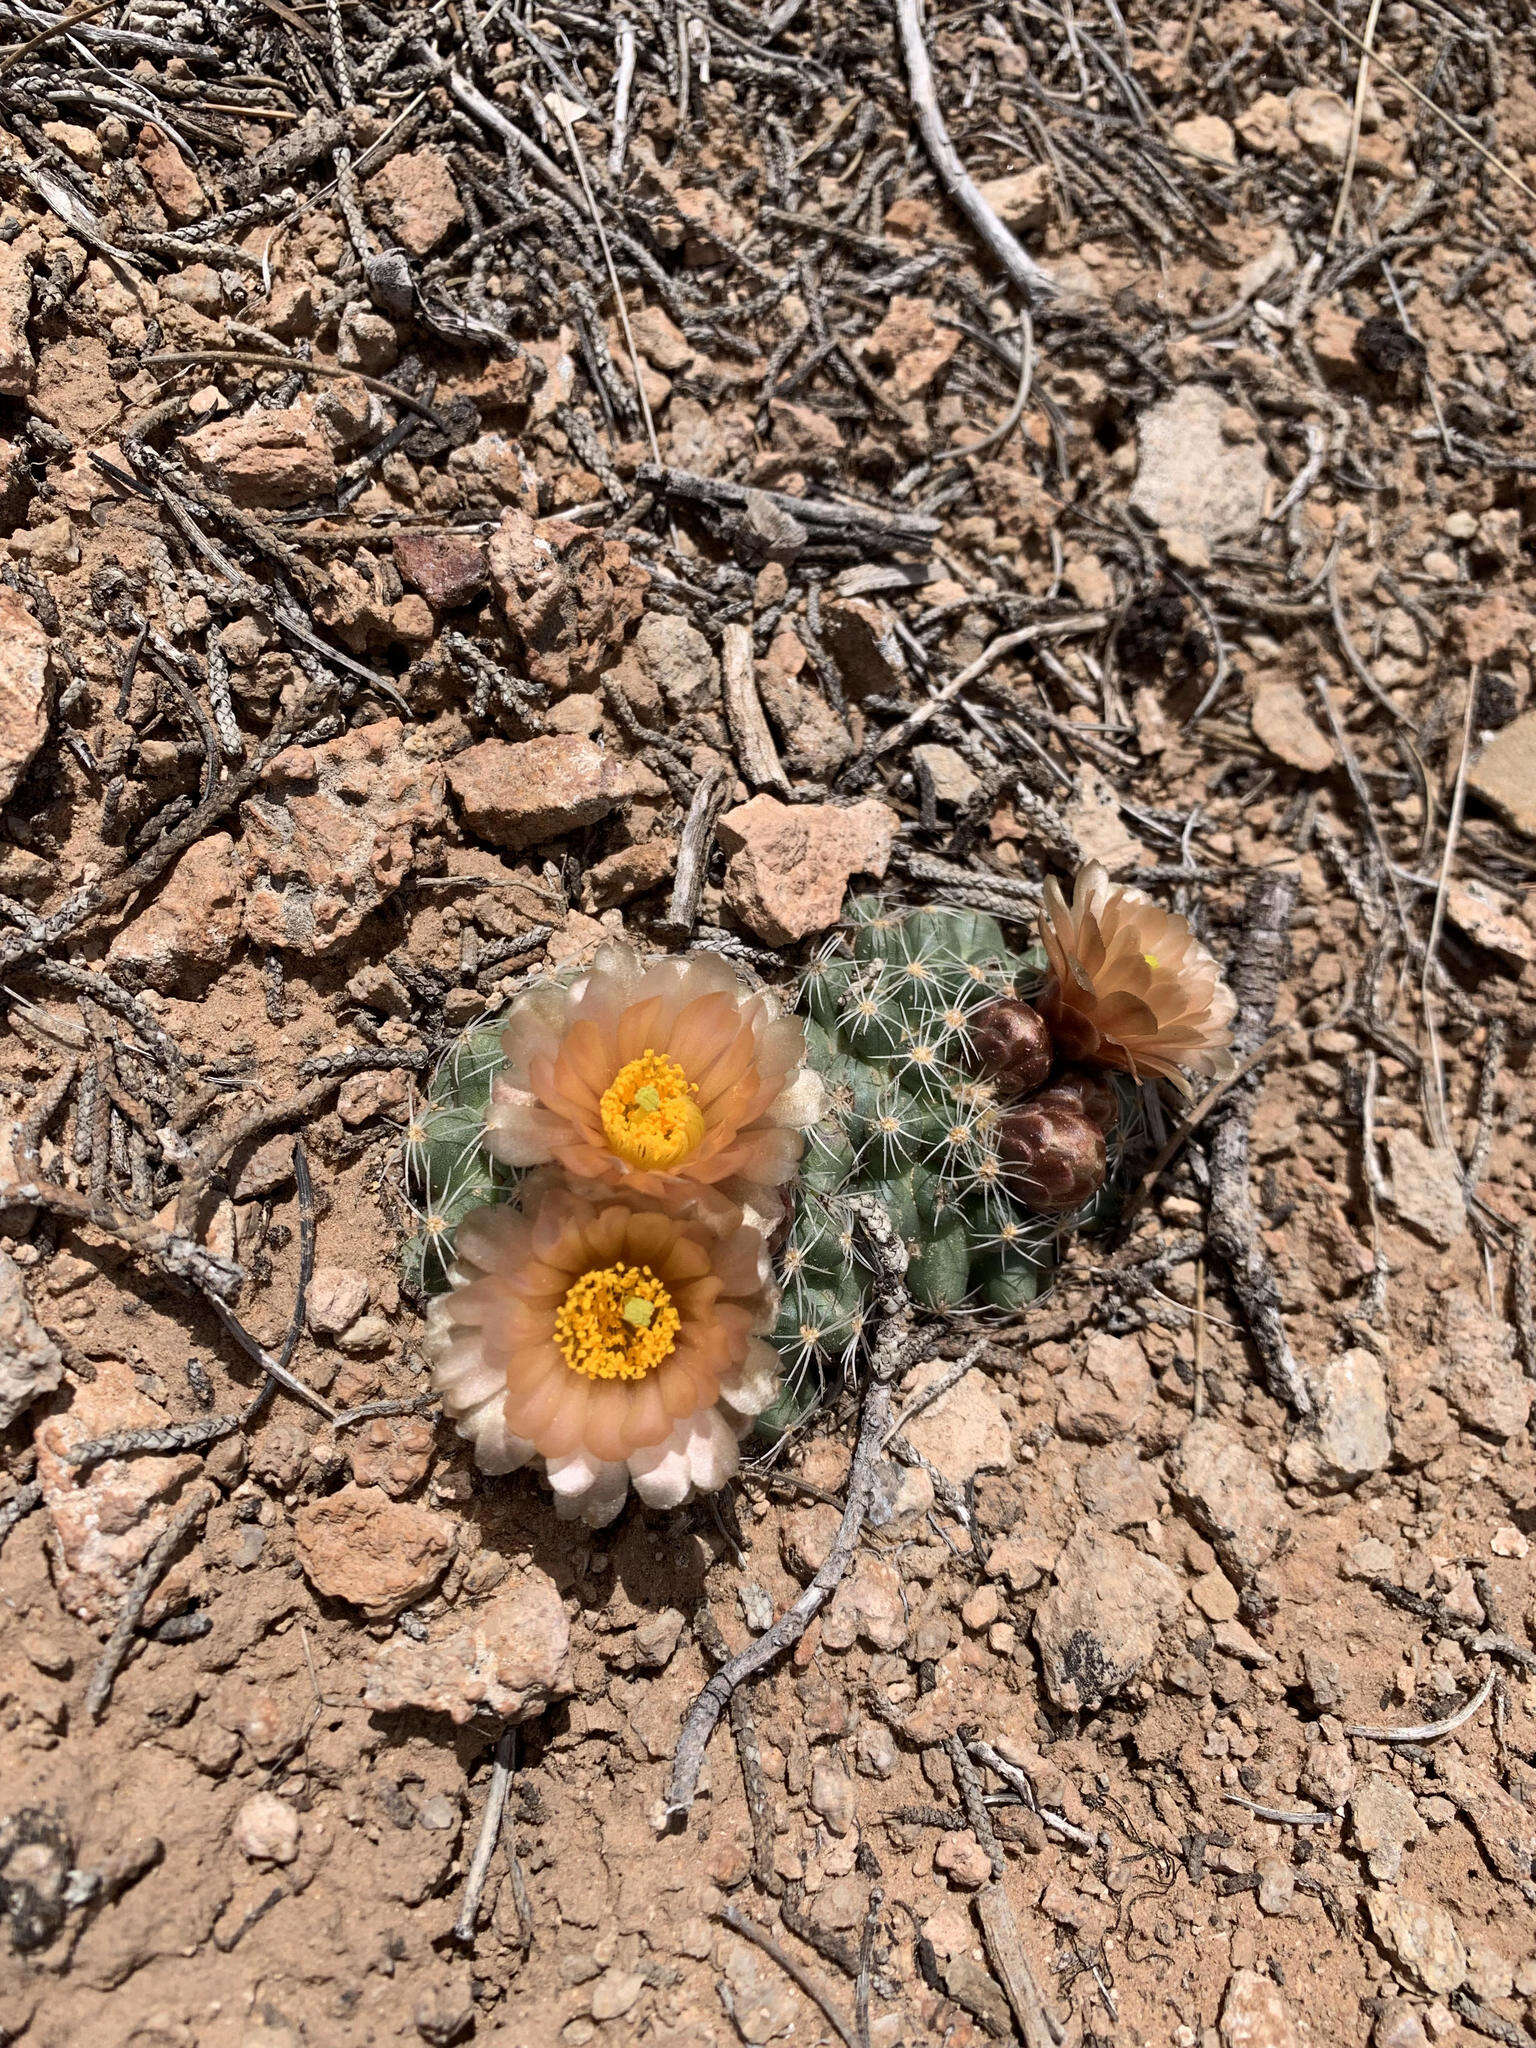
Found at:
[448, 1171]
[948, 1104]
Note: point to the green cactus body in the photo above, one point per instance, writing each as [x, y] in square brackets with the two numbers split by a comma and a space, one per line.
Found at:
[888, 1003]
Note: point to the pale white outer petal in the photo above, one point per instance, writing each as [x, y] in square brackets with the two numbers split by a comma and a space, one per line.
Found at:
[587, 1489]
[660, 1473]
[803, 1103]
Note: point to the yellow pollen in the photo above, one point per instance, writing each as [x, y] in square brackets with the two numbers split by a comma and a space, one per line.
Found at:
[650, 1118]
[1150, 958]
[616, 1323]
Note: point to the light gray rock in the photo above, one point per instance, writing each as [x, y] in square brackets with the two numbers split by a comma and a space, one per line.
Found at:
[1229, 1496]
[1421, 1940]
[1191, 476]
[1350, 1436]
[1103, 1618]
[1426, 1187]
[30, 1364]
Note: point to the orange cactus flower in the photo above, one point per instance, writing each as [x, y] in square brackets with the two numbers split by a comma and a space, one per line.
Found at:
[1131, 986]
[616, 1341]
[668, 1078]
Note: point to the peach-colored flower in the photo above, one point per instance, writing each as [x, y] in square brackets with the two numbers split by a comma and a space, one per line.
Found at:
[616, 1341]
[1131, 986]
[666, 1077]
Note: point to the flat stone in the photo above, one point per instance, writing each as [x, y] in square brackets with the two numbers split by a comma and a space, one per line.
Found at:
[1190, 477]
[963, 1860]
[1282, 722]
[867, 1604]
[30, 1361]
[104, 1519]
[1426, 1187]
[333, 833]
[1103, 1618]
[189, 930]
[1022, 200]
[615, 1992]
[508, 1658]
[632, 871]
[376, 1554]
[790, 865]
[1384, 1820]
[1504, 774]
[860, 636]
[273, 459]
[1421, 1940]
[449, 569]
[1215, 1596]
[569, 597]
[1504, 1827]
[1104, 1397]
[1229, 1496]
[1398, 2025]
[1477, 1370]
[965, 1430]
[1491, 921]
[1206, 135]
[23, 689]
[764, 2004]
[677, 660]
[1349, 1437]
[1254, 2014]
[417, 191]
[954, 780]
[1321, 120]
[519, 793]
[910, 344]
[174, 183]
[337, 1296]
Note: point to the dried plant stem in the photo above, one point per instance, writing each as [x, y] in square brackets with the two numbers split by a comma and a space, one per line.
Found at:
[1257, 973]
[145, 1579]
[1021, 268]
[740, 1924]
[703, 1716]
[502, 1766]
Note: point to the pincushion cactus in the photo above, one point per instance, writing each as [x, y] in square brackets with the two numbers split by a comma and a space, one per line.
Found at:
[929, 1070]
[933, 1055]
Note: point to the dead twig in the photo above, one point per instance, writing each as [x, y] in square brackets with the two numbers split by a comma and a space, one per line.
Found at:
[1429, 1731]
[756, 753]
[502, 1766]
[145, 1579]
[1257, 972]
[1005, 1952]
[1022, 269]
[740, 1924]
[891, 1259]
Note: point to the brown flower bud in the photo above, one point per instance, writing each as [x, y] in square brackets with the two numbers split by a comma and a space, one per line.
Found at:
[1011, 1045]
[1053, 1157]
[1090, 1095]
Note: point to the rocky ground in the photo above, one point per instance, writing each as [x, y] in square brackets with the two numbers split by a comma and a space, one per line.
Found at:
[386, 620]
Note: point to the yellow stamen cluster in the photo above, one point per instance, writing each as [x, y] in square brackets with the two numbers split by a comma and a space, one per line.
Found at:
[650, 1118]
[616, 1323]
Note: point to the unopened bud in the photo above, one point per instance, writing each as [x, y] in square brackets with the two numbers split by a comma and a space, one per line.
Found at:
[1011, 1045]
[1053, 1157]
[1089, 1094]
